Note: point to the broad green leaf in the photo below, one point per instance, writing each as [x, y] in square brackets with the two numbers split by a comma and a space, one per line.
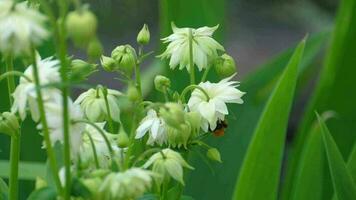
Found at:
[260, 172]
[46, 193]
[3, 190]
[27, 170]
[242, 122]
[343, 183]
[333, 92]
[308, 181]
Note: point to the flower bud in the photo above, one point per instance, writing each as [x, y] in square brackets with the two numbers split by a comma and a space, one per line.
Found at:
[92, 184]
[173, 114]
[123, 140]
[132, 93]
[143, 36]
[9, 124]
[81, 70]
[162, 83]
[125, 57]
[95, 49]
[214, 154]
[108, 64]
[40, 183]
[225, 66]
[179, 137]
[194, 120]
[81, 26]
[99, 173]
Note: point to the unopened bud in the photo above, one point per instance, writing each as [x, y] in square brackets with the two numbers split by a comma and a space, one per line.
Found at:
[214, 154]
[123, 140]
[9, 124]
[173, 114]
[132, 93]
[81, 69]
[225, 66]
[143, 36]
[108, 64]
[95, 49]
[161, 83]
[125, 57]
[40, 183]
[81, 26]
[194, 118]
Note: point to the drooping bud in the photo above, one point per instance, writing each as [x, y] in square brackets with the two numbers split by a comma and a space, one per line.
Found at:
[179, 137]
[162, 83]
[9, 124]
[143, 36]
[40, 183]
[123, 140]
[225, 66]
[95, 49]
[214, 155]
[81, 26]
[194, 119]
[173, 114]
[132, 93]
[81, 70]
[108, 64]
[125, 57]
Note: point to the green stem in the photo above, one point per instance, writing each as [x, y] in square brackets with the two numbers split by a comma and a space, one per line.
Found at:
[192, 87]
[111, 124]
[14, 73]
[49, 148]
[205, 75]
[191, 61]
[94, 151]
[138, 73]
[15, 140]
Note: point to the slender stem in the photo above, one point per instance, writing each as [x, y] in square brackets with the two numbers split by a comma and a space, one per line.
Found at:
[191, 61]
[144, 154]
[15, 140]
[192, 87]
[94, 151]
[14, 73]
[205, 75]
[49, 148]
[111, 124]
[137, 72]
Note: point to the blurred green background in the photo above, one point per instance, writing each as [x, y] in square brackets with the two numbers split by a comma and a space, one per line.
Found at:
[259, 34]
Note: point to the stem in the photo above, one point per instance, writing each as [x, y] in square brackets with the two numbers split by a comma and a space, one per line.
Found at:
[111, 124]
[14, 73]
[137, 72]
[15, 140]
[144, 154]
[191, 61]
[50, 152]
[191, 87]
[94, 151]
[206, 72]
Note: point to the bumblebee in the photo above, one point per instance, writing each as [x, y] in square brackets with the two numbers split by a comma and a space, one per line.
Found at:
[220, 128]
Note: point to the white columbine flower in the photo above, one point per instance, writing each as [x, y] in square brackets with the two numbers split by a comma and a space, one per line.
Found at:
[21, 27]
[25, 94]
[54, 116]
[214, 108]
[204, 47]
[94, 107]
[168, 163]
[129, 184]
[156, 127]
[102, 151]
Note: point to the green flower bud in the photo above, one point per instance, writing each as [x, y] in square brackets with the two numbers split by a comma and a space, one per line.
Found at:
[40, 183]
[179, 137]
[132, 93]
[123, 140]
[225, 66]
[9, 124]
[81, 26]
[143, 36]
[81, 70]
[214, 154]
[108, 64]
[92, 184]
[95, 49]
[162, 83]
[99, 173]
[125, 57]
[173, 114]
[194, 119]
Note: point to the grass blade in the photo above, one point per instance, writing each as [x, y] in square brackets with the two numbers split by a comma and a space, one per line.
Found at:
[344, 186]
[259, 176]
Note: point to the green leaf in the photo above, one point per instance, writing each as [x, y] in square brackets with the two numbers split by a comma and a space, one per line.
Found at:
[242, 122]
[3, 190]
[27, 170]
[344, 186]
[260, 172]
[332, 92]
[47, 193]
